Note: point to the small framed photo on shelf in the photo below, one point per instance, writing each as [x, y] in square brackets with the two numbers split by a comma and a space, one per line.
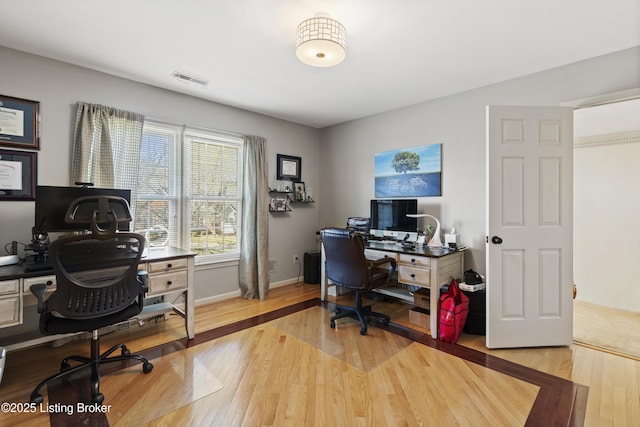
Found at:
[279, 205]
[19, 123]
[17, 175]
[288, 167]
[300, 195]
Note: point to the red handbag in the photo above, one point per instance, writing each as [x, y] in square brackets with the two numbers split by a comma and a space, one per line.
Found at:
[454, 307]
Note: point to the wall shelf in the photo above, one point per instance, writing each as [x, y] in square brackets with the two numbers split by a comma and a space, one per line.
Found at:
[281, 201]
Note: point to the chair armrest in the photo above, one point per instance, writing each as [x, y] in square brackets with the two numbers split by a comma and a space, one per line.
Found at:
[39, 289]
[143, 277]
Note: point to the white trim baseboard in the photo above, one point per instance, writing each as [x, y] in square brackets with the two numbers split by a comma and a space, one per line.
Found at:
[222, 297]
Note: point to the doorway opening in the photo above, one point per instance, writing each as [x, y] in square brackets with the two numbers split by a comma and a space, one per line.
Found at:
[607, 226]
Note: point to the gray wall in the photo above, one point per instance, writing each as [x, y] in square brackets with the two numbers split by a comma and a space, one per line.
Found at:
[345, 151]
[58, 86]
[457, 122]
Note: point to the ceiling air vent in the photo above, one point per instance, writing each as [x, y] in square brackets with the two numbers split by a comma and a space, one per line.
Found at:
[185, 78]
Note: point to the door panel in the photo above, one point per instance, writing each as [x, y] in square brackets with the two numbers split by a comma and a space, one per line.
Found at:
[529, 226]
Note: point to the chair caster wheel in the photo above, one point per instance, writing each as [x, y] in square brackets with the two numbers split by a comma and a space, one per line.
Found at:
[333, 325]
[363, 331]
[125, 352]
[147, 367]
[37, 398]
[97, 398]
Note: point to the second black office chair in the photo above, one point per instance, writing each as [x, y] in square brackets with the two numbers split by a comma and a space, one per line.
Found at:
[97, 285]
[347, 266]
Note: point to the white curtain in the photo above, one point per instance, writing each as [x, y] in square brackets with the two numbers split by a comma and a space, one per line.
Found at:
[254, 259]
[106, 147]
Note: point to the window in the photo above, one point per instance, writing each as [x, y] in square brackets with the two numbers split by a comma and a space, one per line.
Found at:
[189, 189]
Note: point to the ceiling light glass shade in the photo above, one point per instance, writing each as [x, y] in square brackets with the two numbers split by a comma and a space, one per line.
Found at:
[321, 42]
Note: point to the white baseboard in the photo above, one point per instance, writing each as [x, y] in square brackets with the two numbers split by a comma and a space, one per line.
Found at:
[234, 294]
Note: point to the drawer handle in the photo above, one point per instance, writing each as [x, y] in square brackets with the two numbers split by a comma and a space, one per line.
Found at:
[169, 265]
[49, 282]
[169, 282]
[413, 276]
[413, 260]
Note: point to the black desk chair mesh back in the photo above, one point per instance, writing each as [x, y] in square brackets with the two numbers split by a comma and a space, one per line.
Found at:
[98, 285]
[347, 266]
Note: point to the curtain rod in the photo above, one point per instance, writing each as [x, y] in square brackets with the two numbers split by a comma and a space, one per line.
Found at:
[196, 128]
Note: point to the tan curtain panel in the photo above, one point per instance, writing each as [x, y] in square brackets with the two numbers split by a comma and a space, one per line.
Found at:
[106, 147]
[253, 270]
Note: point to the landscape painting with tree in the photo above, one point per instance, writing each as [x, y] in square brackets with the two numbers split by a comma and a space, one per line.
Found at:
[410, 172]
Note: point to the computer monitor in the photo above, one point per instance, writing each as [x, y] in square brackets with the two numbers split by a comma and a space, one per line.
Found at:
[52, 204]
[389, 216]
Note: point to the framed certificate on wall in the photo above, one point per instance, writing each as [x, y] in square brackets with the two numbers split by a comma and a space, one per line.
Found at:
[19, 123]
[17, 175]
[288, 167]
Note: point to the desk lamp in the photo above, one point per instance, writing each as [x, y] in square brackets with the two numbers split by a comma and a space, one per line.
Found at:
[435, 242]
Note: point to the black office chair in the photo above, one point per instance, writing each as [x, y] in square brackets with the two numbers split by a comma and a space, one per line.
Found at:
[347, 266]
[98, 285]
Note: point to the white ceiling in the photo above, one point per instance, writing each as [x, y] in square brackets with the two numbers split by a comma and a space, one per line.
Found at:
[399, 52]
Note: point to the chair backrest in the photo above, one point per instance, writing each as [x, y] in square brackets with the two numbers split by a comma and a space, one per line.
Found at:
[97, 273]
[346, 264]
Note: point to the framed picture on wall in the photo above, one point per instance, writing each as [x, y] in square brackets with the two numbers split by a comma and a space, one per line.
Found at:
[409, 172]
[288, 167]
[17, 175]
[300, 194]
[19, 123]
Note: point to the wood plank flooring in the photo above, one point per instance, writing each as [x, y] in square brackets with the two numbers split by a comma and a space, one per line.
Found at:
[607, 329]
[347, 382]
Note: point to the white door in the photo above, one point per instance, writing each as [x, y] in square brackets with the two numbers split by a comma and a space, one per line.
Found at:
[529, 270]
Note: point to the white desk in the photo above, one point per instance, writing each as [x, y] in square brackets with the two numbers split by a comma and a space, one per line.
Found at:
[422, 267]
[171, 271]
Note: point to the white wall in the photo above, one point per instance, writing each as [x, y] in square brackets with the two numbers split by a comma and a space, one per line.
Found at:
[607, 206]
[458, 122]
[58, 86]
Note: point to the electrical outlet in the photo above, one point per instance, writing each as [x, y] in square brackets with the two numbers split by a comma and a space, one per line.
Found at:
[296, 259]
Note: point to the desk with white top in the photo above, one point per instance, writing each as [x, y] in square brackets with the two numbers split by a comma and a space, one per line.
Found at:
[422, 267]
[171, 270]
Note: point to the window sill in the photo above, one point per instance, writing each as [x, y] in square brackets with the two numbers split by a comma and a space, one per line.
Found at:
[204, 264]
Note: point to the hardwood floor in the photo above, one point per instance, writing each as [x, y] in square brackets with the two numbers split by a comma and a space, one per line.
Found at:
[295, 370]
[607, 329]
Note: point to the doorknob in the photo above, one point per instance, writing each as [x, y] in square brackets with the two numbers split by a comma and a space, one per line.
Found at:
[496, 240]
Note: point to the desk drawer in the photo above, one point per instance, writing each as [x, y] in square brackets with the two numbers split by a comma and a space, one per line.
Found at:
[373, 254]
[166, 265]
[415, 260]
[168, 282]
[10, 311]
[26, 283]
[9, 287]
[414, 275]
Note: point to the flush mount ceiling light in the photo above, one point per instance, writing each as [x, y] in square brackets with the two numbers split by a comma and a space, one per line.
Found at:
[320, 41]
